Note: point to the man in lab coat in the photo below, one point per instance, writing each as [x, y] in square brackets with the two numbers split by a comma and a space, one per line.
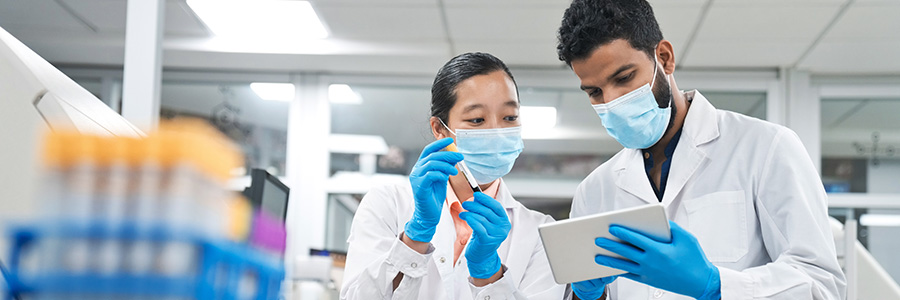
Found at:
[748, 210]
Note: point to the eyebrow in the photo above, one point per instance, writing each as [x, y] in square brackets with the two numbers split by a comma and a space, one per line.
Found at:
[619, 71]
[472, 107]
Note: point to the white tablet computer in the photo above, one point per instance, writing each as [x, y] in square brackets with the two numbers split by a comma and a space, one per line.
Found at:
[570, 247]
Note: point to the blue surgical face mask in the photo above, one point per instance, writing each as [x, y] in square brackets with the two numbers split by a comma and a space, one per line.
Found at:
[635, 119]
[489, 153]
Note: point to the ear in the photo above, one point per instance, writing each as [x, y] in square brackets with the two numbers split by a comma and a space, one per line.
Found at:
[437, 129]
[666, 53]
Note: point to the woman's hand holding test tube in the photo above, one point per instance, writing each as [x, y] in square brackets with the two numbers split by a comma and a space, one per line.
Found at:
[429, 179]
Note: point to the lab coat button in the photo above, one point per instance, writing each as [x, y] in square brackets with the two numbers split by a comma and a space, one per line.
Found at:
[658, 294]
[443, 259]
[413, 265]
[487, 297]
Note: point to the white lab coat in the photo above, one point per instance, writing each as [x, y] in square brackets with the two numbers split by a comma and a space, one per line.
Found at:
[748, 191]
[376, 254]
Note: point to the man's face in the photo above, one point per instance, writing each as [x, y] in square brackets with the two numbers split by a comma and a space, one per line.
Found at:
[615, 69]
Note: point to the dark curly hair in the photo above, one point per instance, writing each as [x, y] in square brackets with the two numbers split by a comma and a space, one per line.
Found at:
[457, 70]
[588, 24]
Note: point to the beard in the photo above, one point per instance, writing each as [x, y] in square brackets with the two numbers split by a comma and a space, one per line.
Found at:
[662, 91]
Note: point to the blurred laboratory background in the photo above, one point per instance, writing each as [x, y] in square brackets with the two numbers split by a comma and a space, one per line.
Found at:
[332, 97]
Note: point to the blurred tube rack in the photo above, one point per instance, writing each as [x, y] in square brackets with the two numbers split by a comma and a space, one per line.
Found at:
[140, 218]
[225, 270]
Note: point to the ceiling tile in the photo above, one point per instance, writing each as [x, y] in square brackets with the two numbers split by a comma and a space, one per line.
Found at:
[563, 4]
[523, 54]
[656, 3]
[752, 54]
[794, 22]
[383, 22]
[109, 16]
[181, 20]
[867, 21]
[879, 57]
[106, 16]
[38, 15]
[677, 22]
[504, 23]
[771, 3]
[371, 3]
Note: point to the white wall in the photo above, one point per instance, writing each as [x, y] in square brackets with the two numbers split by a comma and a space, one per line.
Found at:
[883, 241]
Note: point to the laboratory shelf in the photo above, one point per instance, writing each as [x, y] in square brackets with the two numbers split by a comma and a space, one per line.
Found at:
[224, 269]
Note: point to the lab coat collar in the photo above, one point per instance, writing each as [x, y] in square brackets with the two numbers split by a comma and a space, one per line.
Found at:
[701, 124]
[700, 127]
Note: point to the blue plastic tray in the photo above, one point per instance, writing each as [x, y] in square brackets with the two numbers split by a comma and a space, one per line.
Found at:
[223, 264]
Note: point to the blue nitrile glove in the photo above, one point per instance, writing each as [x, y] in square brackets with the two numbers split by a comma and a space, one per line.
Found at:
[429, 184]
[490, 227]
[679, 266]
[592, 289]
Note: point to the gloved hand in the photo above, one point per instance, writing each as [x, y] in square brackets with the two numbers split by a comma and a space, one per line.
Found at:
[679, 266]
[592, 289]
[429, 184]
[490, 227]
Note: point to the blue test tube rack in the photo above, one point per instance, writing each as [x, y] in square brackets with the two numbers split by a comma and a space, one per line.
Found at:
[221, 268]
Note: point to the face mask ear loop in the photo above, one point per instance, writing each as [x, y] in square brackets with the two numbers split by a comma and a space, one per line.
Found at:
[445, 126]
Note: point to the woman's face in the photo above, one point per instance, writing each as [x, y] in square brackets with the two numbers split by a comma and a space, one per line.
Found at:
[483, 102]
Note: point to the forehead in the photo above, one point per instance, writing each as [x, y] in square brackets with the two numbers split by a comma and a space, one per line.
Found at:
[492, 88]
[608, 58]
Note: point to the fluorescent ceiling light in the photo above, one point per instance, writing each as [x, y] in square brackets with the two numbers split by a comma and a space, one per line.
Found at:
[537, 117]
[260, 20]
[342, 93]
[879, 220]
[274, 91]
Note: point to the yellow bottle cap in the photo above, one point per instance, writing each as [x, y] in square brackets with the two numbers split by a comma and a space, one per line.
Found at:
[112, 150]
[80, 148]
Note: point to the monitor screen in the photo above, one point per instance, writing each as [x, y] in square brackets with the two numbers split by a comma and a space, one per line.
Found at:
[268, 194]
[274, 198]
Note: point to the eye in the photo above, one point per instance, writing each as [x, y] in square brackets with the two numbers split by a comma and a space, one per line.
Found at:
[511, 118]
[476, 121]
[593, 92]
[625, 78]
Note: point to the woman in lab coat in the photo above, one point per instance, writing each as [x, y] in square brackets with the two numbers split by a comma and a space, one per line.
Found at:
[419, 240]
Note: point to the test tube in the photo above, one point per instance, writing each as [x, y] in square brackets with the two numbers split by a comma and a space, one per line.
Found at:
[178, 256]
[114, 178]
[80, 188]
[461, 165]
[53, 175]
[145, 201]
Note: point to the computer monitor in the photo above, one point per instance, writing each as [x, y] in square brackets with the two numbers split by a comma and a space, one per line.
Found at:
[268, 194]
[269, 198]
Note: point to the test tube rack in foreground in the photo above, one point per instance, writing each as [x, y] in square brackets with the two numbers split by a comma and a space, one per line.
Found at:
[140, 218]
